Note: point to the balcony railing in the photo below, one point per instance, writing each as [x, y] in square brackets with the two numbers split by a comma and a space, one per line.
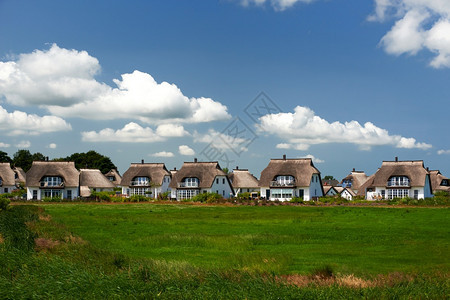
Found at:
[188, 184]
[282, 184]
[398, 183]
[140, 183]
[44, 184]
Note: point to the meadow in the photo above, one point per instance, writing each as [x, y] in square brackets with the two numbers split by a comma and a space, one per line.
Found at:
[217, 251]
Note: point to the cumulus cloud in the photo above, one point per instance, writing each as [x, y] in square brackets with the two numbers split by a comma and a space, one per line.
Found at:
[440, 152]
[52, 146]
[163, 154]
[315, 159]
[24, 144]
[303, 128]
[4, 145]
[222, 141]
[19, 122]
[130, 133]
[63, 82]
[278, 5]
[171, 130]
[421, 24]
[185, 150]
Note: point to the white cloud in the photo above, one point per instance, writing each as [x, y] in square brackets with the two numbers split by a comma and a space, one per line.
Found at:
[440, 152]
[278, 5]
[52, 146]
[421, 24]
[24, 144]
[171, 130]
[186, 150]
[18, 122]
[222, 140]
[4, 145]
[63, 82]
[315, 159]
[162, 154]
[130, 133]
[303, 128]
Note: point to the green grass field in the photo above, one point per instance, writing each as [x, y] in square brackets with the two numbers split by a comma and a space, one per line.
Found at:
[361, 241]
[167, 251]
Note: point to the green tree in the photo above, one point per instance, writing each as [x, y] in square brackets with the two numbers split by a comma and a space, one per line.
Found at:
[4, 157]
[38, 157]
[90, 160]
[24, 159]
[225, 170]
[329, 177]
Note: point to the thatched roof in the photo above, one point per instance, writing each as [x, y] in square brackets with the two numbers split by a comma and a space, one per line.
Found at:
[117, 177]
[154, 171]
[436, 180]
[414, 170]
[85, 191]
[206, 172]
[93, 178]
[358, 178]
[21, 175]
[327, 188]
[301, 168]
[64, 169]
[368, 184]
[242, 178]
[350, 191]
[7, 175]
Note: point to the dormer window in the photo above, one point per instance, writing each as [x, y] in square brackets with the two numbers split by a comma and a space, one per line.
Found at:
[111, 178]
[52, 181]
[1, 181]
[398, 181]
[140, 181]
[190, 182]
[444, 182]
[283, 180]
[347, 183]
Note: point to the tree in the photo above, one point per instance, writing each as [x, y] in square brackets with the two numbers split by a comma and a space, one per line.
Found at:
[38, 157]
[90, 160]
[4, 157]
[329, 177]
[225, 170]
[23, 159]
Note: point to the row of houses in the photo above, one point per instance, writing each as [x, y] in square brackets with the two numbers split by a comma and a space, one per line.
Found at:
[282, 179]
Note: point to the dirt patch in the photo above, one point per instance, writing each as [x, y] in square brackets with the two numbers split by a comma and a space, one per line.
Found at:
[46, 218]
[43, 244]
[75, 240]
[349, 281]
[2, 240]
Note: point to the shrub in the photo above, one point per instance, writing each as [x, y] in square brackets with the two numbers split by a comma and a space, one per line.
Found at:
[163, 196]
[102, 196]
[296, 200]
[138, 198]
[52, 199]
[4, 203]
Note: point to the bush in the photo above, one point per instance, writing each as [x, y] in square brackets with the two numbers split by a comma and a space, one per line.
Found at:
[138, 198]
[296, 200]
[163, 196]
[52, 199]
[207, 197]
[4, 203]
[102, 196]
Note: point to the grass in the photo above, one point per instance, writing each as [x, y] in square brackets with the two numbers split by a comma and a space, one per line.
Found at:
[219, 252]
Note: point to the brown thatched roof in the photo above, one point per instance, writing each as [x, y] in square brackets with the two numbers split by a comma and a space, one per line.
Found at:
[93, 178]
[117, 177]
[154, 171]
[21, 176]
[358, 178]
[436, 180]
[242, 178]
[350, 191]
[414, 170]
[64, 169]
[7, 175]
[301, 168]
[368, 184]
[327, 188]
[206, 172]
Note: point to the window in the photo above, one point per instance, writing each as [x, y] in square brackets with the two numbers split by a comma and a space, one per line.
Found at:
[217, 180]
[190, 182]
[281, 193]
[223, 181]
[416, 194]
[52, 193]
[398, 193]
[398, 181]
[383, 194]
[284, 180]
[141, 181]
[69, 194]
[186, 194]
[444, 182]
[51, 181]
[347, 183]
[140, 191]
[35, 194]
[223, 193]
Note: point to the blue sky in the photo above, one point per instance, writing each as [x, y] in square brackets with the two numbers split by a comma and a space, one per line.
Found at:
[353, 82]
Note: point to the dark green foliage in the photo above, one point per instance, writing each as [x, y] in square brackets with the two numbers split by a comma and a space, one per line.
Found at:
[206, 198]
[4, 202]
[328, 177]
[4, 158]
[23, 159]
[90, 160]
[13, 228]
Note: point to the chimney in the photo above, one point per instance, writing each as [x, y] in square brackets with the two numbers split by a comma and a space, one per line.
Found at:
[353, 170]
[46, 158]
[174, 168]
[237, 167]
[396, 159]
[428, 169]
[284, 156]
[195, 159]
[142, 161]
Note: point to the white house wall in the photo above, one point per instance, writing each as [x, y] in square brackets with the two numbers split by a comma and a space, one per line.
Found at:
[7, 189]
[40, 193]
[221, 186]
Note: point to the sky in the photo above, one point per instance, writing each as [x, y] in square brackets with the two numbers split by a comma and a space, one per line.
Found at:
[348, 83]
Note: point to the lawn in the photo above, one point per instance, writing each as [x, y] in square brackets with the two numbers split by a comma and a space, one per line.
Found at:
[364, 241]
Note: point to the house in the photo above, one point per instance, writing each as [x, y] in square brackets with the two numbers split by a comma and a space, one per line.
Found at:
[200, 177]
[330, 191]
[7, 178]
[145, 179]
[398, 179]
[92, 180]
[347, 193]
[52, 180]
[439, 182]
[243, 181]
[285, 178]
[354, 180]
[114, 176]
